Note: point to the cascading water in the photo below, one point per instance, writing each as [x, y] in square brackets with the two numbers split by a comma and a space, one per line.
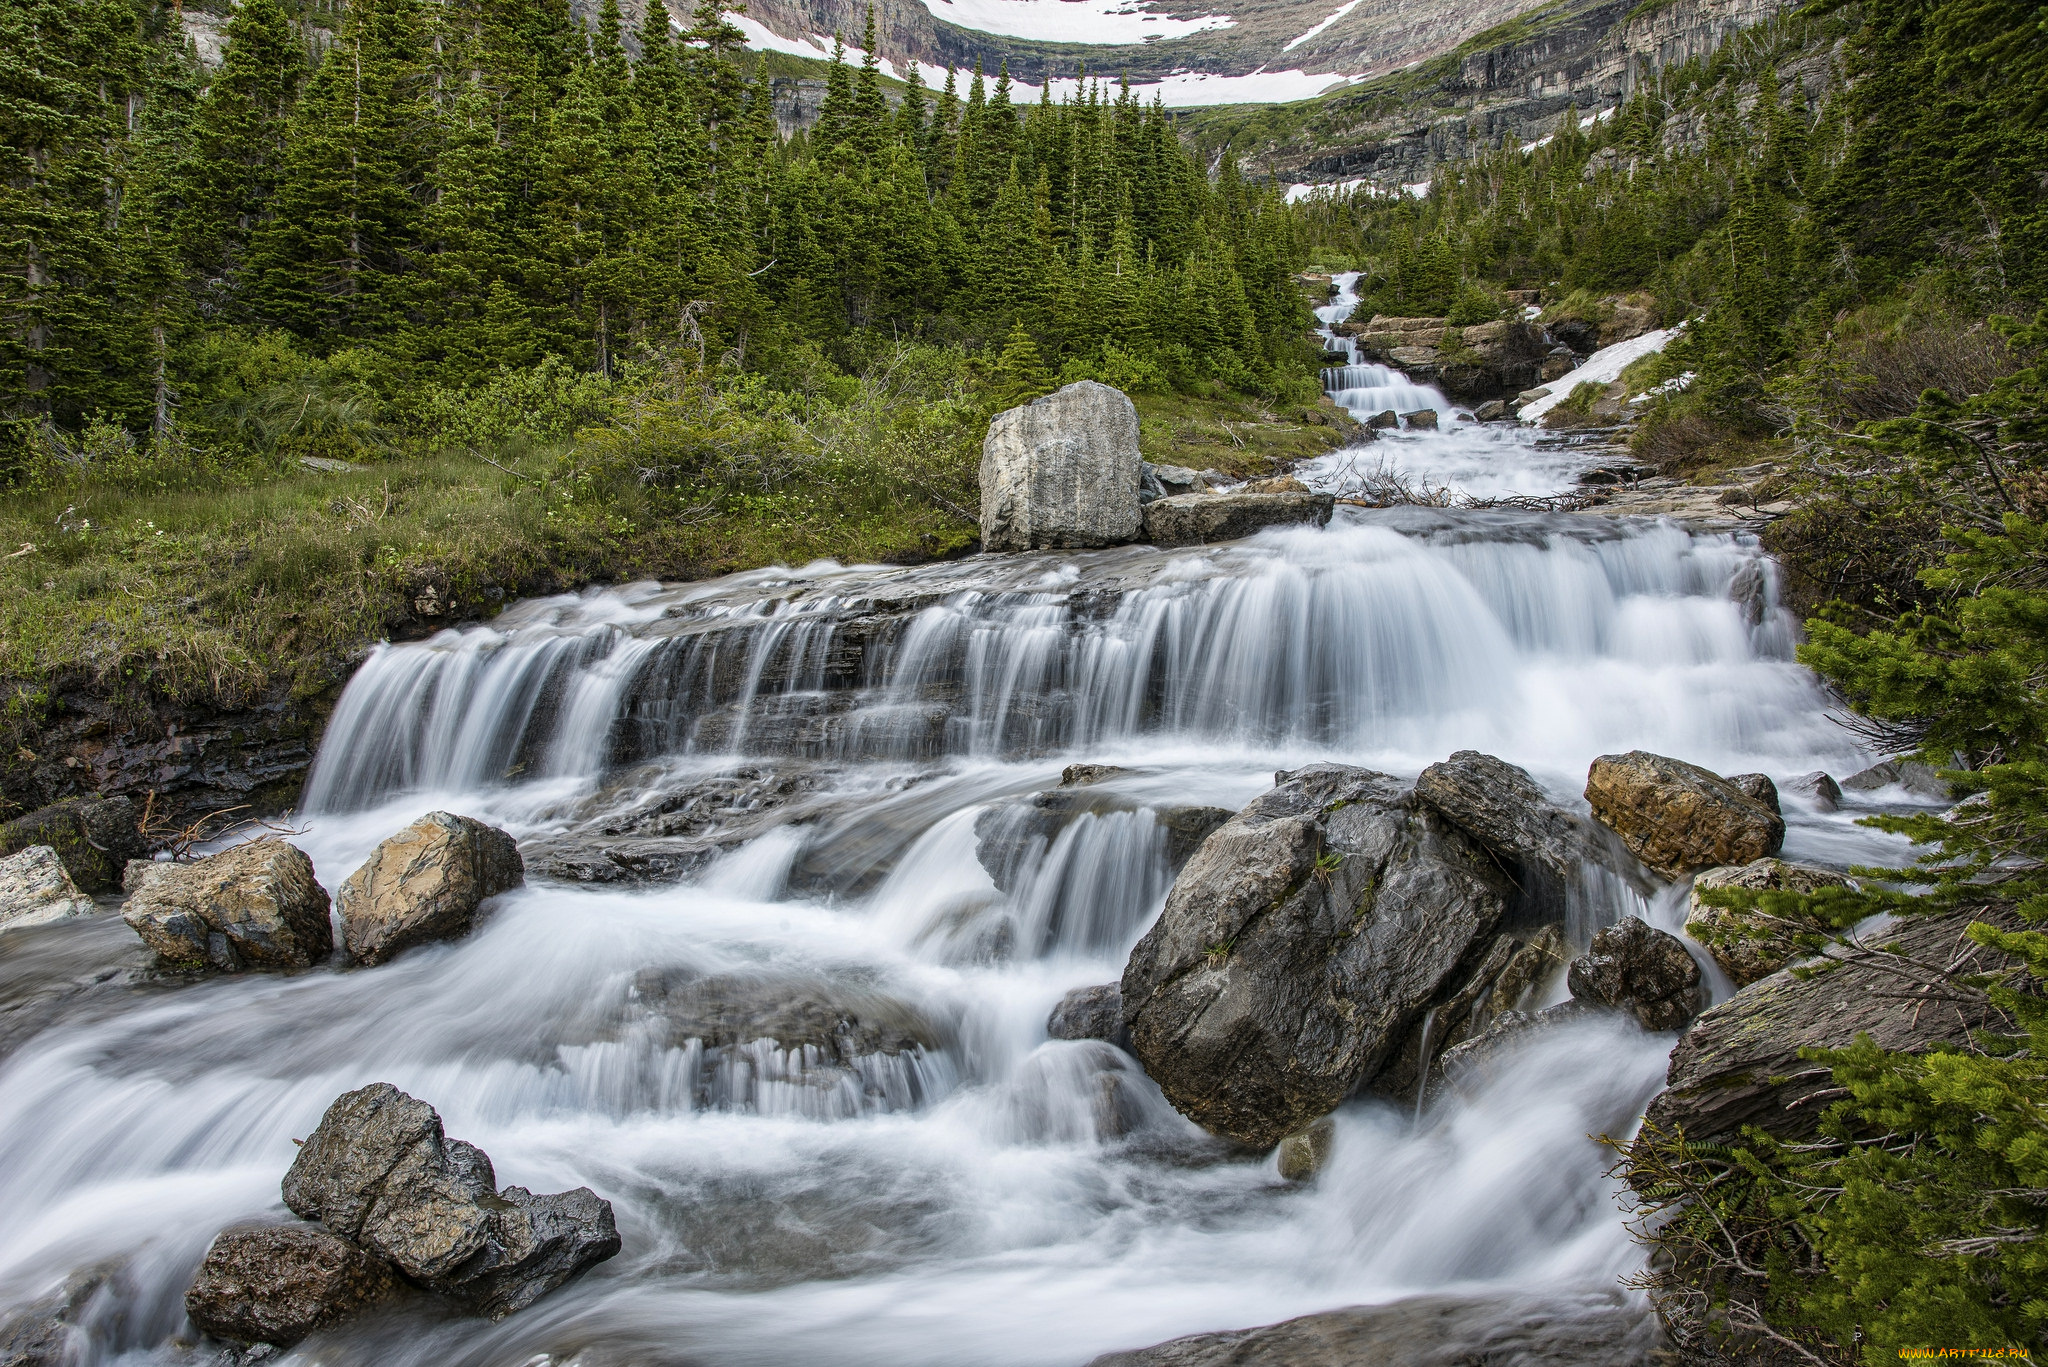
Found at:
[865, 766]
[1461, 457]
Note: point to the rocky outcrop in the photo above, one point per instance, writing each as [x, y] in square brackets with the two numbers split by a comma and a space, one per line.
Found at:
[1300, 945]
[380, 1172]
[35, 889]
[1634, 967]
[93, 837]
[683, 830]
[1090, 1013]
[256, 906]
[1061, 471]
[425, 884]
[1202, 519]
[276, 1284]
[1740, 1063]
[1677, 817]
[1763, 949]
[1596, 1329]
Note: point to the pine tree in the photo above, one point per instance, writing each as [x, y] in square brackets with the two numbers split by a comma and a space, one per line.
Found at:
[239, 139]
[1020, 372]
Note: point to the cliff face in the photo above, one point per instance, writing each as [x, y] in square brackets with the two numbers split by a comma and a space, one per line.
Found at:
[1588, 54]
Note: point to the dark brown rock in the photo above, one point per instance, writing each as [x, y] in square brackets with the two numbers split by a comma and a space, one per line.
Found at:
[1677, 817]
[278, 1283]
[93, 837]
[1635, 967]
[1301, 943]
[425, 884]
[256, 906]
[1422, 419]
[1740, 1065]
[1383, 420]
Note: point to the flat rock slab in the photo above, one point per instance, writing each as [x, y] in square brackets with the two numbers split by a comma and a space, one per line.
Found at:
[1200, 519]
[1593, 1330]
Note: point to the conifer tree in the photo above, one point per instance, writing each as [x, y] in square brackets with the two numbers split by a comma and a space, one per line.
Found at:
[239, 138]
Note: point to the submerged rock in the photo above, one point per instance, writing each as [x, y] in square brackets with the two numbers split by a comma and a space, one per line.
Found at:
[1763, 952]
[1635, 967]
[1595, 1329]
[276, 1284]
[35, 889]
[1202, 519]
[1677, 817]
[1090, 1013]
[256, 906]
[425, 884]
[379, 1171]
[1062, 471]
[94, 838]
[1298, 947]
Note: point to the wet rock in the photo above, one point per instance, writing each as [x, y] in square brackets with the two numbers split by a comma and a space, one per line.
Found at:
[1304, 1155]
[1764, 951]
[1493, 410]
[1759, 789]
[1301, 943]
[840, 1022]
[1635, 967]
[1677, 817]
[1186, 829]
[1090, 1013]
[425, 884]
[1062, 471]
[1422, 420]
[1595, 1329]
[49, 1332]
[380, 1171]
[1203, 519]
[1917, 779]
[1740, 1065]
[278, 1283]
[1383, 420]
[1529, 396]
[256, 906]
[1081, 775]
[1499, 805]
[1818, 788]
[35, 889]
[1496, 978]
[93, 837]
[683, 830]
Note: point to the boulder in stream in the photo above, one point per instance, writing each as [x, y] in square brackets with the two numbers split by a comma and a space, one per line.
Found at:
[1634, 967]
[1919, 780]
[1502, 807]
[1383, 420]
[1303, 941]
[1062, 471]
[1763, 951]
[1759, 789]
[36, 889]
[1203, 519]
[256, 906]
[1090, 1013]
[1594, 1329]
[1421, 420]
[1818, 788]
[379, 1171]
[1677, 817]
[425, 884]
[276, 1284]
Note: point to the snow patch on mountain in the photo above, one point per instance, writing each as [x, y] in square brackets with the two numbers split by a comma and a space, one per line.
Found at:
[1072, 21]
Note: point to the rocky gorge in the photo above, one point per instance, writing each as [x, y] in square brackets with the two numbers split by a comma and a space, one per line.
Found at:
[1222, 885]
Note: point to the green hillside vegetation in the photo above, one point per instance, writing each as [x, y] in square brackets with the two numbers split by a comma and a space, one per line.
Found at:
[539, 314]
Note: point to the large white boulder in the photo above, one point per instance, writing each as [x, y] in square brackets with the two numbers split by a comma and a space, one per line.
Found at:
[1062, 471]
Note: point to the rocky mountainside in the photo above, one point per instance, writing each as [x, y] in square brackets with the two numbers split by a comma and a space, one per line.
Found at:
[1516, 81]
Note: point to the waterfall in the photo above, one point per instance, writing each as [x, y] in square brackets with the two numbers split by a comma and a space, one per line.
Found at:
[810, 1066]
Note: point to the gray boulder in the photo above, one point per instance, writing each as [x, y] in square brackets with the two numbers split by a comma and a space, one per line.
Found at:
[425, 884]
[276, 1284]
[1164, 481]
[1634, 967]
[1740, 1065]
[1593, 1329]
[1499, 805]
[1677, 817]
[1090, 1013]
[1818, 788]
[1303, 941]
[1759, 789]
[256, 906]
[93, 837]
[1917, 779]
[1062, 471]
[379, 1171]
[1203, 519]
[35, 889]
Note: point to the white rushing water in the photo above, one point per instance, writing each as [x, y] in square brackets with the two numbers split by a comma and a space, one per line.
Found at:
[984, 1195]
